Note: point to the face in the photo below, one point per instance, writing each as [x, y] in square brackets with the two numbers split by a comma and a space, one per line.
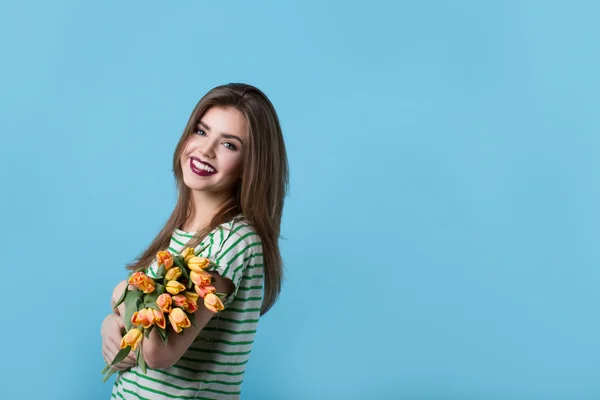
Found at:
[212, 158]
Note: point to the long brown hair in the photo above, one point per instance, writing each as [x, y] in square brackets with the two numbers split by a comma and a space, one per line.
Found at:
[258, 195]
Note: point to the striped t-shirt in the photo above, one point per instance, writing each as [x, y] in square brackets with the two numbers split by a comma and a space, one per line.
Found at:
[213, 367]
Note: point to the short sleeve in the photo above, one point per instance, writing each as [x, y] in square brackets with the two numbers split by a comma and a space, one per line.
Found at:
[235, 244]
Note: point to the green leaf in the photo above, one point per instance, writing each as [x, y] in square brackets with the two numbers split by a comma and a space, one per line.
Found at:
[163, 334]
[108, 375]
[140, 360]
[147, 331]
[161, 272]
[179, 261]
[150, 298]
[132, 301]
[154, 306]
[159, 289]
[121, 355]
[192, 319]
[122, 298]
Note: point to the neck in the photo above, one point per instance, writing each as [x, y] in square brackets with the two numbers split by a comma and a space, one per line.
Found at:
[206, 206]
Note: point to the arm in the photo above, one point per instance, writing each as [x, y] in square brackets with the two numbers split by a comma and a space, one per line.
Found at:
[158, 355]
[111, 332]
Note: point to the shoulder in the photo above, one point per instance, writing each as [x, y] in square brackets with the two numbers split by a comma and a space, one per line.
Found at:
[239, 231]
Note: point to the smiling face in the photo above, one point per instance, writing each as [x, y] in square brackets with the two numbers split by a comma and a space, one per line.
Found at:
[211, 160]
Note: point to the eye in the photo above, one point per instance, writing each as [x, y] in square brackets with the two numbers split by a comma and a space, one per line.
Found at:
[200, 132]
[230, 146]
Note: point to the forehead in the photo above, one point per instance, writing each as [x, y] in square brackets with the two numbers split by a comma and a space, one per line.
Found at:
[225, 120]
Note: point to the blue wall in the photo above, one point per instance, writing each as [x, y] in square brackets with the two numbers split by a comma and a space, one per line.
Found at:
[442, 226]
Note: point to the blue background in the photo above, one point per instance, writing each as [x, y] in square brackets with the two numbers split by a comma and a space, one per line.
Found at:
[442, 226]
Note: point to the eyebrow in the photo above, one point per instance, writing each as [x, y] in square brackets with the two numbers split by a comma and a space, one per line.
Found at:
[223, 134]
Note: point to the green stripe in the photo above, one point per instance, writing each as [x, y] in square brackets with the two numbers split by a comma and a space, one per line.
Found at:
[166, 383]
[247, 298]
[173, 250]
[253, 276]
[232, 343]
[208, 371]
[212, 242]
[241, 310]
[229, 331]
[235, 244]
[236, 321]
[221, 391]
[135, 394]
[172, 396]
[183, 235]
[177, 241]
[194, 360]
[113, 395]
[198, 380]
[120, 395]
[250, 288]
[222, 238]
[254, 244]
[224, 353]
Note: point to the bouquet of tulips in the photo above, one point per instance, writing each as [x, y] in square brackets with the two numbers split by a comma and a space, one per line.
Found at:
[172, 294]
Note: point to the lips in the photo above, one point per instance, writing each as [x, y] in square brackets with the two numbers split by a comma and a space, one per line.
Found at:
[201, 168]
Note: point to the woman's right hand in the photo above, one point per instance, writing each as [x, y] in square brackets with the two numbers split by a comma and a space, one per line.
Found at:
[111, 342]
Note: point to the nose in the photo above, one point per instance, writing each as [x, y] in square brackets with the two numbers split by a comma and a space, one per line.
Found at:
[207, 149]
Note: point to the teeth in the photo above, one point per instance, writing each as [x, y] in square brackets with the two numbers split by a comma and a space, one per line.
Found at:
[199, 165]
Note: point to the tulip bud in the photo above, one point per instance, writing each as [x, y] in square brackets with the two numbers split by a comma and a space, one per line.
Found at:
[201, 278]
[173, 274]
[132, 338]
[164, 302]
[164, 258]
[142, 281]
[179, 320]
[204, 290]
[213, 303]
[197, 264]
[174, 287]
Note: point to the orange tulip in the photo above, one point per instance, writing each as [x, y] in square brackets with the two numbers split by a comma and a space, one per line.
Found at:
[159, 318]
[142, 281]
[213, 303]
[197, 264]
[182, 301]
[164, 258]
[179, 320]
[144, 317]
[201, 278]
[164, 302]
[174, 287]
[204, 290]
[173, 274]
[133, 338]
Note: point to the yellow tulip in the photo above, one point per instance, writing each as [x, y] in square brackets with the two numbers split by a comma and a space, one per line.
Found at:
[201, 278]
[173, 274]
[213, 303]
[174, 287]
[164, 258]
[179, 320]
[164, 302]
[142, 281]
[187, 253]
[133, 338]
[197, 264]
